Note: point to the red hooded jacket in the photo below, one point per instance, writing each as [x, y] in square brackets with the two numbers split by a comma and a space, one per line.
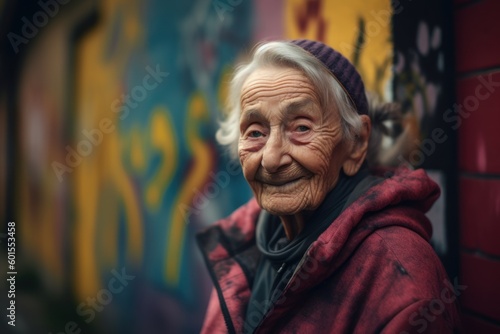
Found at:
[371, 271]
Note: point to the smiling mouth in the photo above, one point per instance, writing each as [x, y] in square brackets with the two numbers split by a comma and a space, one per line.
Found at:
[279, 183]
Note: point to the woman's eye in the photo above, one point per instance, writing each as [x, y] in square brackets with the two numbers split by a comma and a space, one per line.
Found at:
[255, 134]
[302, 128]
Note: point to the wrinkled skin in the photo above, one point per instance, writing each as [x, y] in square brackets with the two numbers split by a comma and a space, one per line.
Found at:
[290, 149]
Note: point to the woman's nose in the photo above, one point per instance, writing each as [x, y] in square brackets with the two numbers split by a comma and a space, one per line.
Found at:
[275, 154]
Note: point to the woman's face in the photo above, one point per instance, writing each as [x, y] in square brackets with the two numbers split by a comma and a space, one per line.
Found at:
[290, 149]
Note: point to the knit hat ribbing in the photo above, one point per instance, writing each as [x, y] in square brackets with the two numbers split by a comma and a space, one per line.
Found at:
[341, 68]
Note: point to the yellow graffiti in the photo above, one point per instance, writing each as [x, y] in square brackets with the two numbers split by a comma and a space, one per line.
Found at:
[202, 164]
[101, 184]
[87, 175]
[124, 187]
[162, 138]
[223, 91]
[97, 174]
[338, 22]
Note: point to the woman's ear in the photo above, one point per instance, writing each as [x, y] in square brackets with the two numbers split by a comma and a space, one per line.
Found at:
[357, 150]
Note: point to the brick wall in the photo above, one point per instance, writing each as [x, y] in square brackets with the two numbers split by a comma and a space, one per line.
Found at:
[477, 55]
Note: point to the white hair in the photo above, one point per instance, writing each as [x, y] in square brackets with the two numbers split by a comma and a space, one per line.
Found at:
[286, 54]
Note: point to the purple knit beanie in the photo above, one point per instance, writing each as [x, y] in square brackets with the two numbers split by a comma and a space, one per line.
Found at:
[344, 72]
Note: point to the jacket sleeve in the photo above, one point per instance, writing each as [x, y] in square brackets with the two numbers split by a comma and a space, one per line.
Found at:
[423, 316]
[214, 320]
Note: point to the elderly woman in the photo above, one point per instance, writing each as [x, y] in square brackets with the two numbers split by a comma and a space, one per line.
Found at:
[324, 247]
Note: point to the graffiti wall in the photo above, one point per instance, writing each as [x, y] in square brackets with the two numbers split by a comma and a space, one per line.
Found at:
[156, 73]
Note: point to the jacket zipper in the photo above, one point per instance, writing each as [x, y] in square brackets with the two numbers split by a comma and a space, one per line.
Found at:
[277, 279]
[280, 270]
